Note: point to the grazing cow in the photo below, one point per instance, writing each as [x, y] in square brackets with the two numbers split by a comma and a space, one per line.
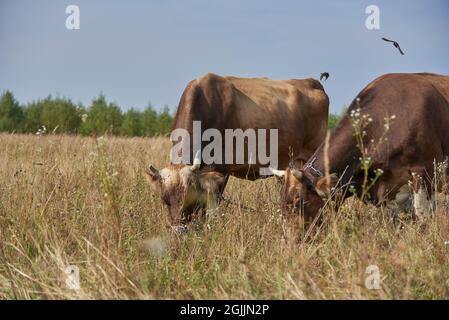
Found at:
[297, 108]
[418, 136]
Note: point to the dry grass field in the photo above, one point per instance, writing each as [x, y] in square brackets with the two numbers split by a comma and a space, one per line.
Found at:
[84, 202]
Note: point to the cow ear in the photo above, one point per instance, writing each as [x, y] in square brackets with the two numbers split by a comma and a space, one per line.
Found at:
[153, 177]
[298, 163]
[324, 185]
[211, 181]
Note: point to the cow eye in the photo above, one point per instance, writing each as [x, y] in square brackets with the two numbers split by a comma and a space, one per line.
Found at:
[302, 202]
[299, 203]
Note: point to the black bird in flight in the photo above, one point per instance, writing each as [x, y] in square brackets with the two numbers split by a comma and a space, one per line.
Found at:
[395, 44]
[324, 75]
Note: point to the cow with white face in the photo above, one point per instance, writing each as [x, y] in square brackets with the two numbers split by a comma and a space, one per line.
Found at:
[297, 109]
[187, 190]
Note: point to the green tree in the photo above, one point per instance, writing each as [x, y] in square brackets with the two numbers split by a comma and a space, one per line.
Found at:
[132, 123]
[164, 122]
[32, 115]
[149, 121]
[102, 118]
[11, 114]
[60, 115]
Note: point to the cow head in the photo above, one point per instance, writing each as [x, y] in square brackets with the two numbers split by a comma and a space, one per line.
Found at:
[186, 189]
[300, 195]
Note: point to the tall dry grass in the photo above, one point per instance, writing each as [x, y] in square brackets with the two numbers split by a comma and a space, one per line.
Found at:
[83, 202]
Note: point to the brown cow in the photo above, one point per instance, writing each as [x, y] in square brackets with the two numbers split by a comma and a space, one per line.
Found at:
[297, 108]
[418, 136]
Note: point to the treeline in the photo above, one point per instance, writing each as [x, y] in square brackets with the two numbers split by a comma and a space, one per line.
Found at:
[61, 115]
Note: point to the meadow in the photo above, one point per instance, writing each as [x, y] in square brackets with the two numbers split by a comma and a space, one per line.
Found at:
[83, 201]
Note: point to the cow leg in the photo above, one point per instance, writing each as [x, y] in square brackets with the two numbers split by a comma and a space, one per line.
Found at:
[391, 194]
[422, 190]
[403, 198]
[402, 201]
[222, 188]
[219, 195]
[212, 208]
[214, 200]
[416, 193]
[382, 192]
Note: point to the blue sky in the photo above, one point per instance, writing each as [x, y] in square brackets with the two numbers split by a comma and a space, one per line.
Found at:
[136, 51]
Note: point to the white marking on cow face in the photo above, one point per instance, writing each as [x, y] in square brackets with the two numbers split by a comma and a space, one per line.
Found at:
[165, 174]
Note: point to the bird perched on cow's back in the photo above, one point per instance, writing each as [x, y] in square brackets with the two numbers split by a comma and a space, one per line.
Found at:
[395, 44]
[324, 76]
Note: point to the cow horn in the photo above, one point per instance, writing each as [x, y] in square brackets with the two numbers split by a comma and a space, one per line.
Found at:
[278, 173]
[297, 174]
[153, 171]
[196, 162]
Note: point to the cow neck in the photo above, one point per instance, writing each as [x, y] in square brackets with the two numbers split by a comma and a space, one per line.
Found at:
[342, 160]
